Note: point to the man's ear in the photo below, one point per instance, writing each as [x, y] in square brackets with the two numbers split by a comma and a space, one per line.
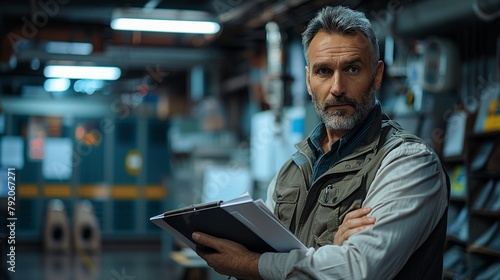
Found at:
[308, 82]
[379, 74]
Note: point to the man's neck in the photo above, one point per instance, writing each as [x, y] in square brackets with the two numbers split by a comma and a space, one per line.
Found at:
[331, 137]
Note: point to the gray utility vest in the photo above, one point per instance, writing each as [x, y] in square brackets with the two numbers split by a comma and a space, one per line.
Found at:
[314, 213]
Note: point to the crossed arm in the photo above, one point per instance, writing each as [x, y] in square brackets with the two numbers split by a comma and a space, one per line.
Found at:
[231, 258]
[409, 191]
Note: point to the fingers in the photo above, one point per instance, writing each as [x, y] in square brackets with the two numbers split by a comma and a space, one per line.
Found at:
[216, 244]
[207, 247]
[227, 257]
[206, 240]
[358, 213]
[200, 238]
[357, 222]
[344, 235]
[356, 219]
[354, 222]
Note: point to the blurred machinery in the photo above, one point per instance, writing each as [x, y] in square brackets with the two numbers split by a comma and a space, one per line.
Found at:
[56, 234]
[431, 68]
[86, 233]
[431, 80]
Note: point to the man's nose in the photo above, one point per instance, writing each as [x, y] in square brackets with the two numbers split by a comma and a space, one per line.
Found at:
[337, 86]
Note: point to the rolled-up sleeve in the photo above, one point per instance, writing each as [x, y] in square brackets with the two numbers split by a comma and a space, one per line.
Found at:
[408, 198]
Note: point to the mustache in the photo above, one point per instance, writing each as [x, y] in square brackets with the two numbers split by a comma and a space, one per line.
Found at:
[339, 100]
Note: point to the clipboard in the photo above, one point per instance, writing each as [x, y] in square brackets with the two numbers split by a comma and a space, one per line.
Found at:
[241, 220]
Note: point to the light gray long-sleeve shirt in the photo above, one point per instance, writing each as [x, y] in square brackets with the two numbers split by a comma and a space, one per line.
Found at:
[407, 200]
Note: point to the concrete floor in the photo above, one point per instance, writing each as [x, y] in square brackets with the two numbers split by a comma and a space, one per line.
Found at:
[108, 265]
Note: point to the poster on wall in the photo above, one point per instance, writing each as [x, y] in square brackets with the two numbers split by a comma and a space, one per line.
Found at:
[455, 135]
[36, 134]
[489, 98]
[11, 152]
[57, 163]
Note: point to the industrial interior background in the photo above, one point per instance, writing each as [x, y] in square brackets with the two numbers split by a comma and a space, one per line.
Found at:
[197, 117]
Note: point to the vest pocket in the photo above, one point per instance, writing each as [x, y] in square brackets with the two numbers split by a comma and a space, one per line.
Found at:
[326, 221]
[334, 202]
[286, 202]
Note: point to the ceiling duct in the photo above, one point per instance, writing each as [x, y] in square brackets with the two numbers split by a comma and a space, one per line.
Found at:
[423, 16]
[138, 57]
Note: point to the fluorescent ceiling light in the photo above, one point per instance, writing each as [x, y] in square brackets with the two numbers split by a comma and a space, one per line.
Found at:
[56, 85]
[76, 48]
[172, 26]
[82, 72]
[163, 20]
[88, 86]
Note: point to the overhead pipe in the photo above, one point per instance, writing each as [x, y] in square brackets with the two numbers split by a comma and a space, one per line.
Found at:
[422, 16]
[239, 11]
[265, 15]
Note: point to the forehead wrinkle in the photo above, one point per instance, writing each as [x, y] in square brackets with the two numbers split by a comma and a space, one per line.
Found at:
[333, 45]
[325, 51]
[346, 57]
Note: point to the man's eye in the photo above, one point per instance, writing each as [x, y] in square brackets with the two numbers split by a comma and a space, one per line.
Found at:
[352, 69]
[323, 71]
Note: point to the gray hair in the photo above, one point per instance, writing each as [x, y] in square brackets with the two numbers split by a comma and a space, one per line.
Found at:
[344, 21]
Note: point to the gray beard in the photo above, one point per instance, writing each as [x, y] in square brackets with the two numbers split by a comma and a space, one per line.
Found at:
[339, 120]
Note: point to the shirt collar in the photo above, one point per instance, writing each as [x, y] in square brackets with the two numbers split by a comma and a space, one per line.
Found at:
[315, 140]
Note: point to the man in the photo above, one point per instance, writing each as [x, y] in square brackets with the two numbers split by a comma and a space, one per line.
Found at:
[355, 161]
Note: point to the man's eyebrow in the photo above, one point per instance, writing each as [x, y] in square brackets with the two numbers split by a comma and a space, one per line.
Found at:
[348, 61]
[320, 65]
[353, 60]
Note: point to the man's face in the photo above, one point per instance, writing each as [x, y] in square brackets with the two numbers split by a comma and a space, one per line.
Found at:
[340, 79]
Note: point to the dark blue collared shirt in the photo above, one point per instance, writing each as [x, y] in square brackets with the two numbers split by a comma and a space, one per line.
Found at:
[340, 148]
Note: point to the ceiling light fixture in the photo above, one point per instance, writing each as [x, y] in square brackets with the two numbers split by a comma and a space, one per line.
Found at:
[164, 20]
[56, 85]
[82, 72]
[76, 48]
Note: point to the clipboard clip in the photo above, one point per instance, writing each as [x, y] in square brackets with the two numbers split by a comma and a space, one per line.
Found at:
[194, 207]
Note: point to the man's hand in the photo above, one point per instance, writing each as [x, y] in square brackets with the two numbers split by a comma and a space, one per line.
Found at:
[355, 221]
[228, 257]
